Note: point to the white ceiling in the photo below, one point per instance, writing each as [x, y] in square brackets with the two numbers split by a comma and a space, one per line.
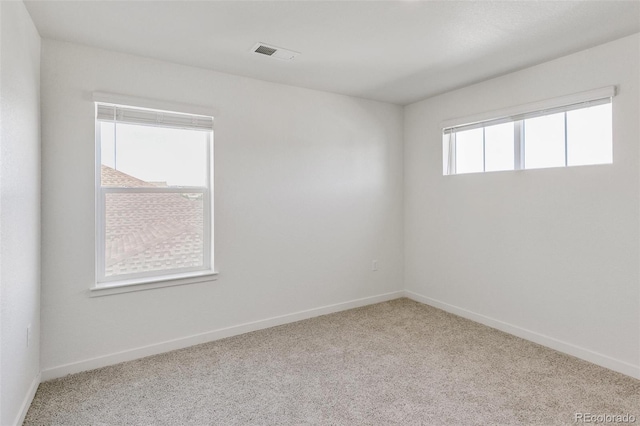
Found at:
[393, 51]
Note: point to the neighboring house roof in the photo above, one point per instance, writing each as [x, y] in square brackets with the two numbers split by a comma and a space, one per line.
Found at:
[150, 231]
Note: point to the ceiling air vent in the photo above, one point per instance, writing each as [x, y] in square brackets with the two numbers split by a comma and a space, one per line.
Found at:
[274, 52]
[265, 50]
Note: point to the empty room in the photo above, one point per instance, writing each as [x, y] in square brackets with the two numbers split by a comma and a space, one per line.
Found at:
[319, 212]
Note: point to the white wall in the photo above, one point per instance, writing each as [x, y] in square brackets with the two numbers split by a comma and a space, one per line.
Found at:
[548, 254]
[308, 191]
[19, 210]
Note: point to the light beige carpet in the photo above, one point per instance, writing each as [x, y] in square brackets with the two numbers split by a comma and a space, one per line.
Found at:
[398, 362]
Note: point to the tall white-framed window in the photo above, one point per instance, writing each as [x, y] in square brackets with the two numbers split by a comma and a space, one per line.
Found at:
[570, 131]
[154, 195]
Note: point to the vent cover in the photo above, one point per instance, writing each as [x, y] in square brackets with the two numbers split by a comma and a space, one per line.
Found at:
[274, 52]
[265, 50]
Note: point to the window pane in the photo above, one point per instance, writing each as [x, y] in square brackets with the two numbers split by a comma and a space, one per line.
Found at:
[498, 146]
[153, 232]
[107, 138]
[589, 136]
[469, 151]
[446, 152]
[544, 141]
[154, 156]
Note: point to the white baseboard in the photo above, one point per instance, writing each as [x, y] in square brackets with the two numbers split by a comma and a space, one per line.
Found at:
[550, 342]
[170, 345]
[28, 399]
[144, 351]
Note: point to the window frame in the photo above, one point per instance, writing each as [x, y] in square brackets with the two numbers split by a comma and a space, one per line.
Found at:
[518, 115]
[151, 279]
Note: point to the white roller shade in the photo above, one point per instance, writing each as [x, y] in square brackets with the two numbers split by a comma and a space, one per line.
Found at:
[149, 117]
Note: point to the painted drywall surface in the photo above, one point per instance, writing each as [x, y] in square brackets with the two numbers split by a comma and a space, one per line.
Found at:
[19, 208]
[308, 191]
[554, 251]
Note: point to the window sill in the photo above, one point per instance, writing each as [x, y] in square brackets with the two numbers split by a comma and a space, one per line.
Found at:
[140, 284]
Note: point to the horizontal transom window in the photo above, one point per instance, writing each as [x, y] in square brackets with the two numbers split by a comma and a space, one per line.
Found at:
[576, 133]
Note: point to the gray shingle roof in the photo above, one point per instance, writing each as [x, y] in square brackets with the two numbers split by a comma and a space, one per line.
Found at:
[150, 231]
